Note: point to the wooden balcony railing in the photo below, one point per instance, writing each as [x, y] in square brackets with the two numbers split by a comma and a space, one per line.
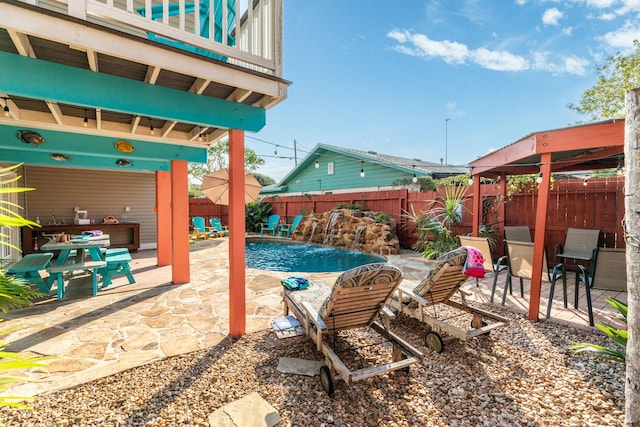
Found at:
[253, 36]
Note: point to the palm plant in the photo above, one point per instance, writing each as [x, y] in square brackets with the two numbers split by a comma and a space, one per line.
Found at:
[14, 293]
[434, 226]
[619, 337]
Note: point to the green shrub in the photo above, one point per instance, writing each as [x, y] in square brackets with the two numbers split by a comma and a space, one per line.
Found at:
[434, 226]
[14, 293]
[352, 206]
[382, 217]
[619, 337]
[256, 213]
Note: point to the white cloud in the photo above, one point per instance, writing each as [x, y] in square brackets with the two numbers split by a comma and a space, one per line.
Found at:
[454, 111]
[456, 53]
[600, 4]
[521, 2]
[565, 65]
[607, 17]
[499, 60]
[552, 16]
[629, 6]
[623, 37]
[567, 31]
[423, 46]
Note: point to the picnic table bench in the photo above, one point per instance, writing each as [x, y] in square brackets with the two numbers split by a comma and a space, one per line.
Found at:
[28, 268]
[117, 260]
[56, 273]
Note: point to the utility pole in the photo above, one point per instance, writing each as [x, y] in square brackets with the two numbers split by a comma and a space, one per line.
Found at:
[446, 138]
[295, 152]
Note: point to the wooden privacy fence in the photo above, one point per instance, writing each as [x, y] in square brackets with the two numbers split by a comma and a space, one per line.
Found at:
[599, 205]
[207, 209]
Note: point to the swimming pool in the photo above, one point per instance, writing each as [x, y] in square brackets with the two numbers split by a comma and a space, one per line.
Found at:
[286, 255]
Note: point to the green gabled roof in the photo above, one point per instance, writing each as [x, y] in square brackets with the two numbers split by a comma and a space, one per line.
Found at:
[409, 166]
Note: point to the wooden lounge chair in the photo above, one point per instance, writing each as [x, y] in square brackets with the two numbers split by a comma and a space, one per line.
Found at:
[442, 281]
[356, 300]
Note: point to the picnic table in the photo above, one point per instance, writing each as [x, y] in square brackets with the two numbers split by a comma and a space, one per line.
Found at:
[73, 256]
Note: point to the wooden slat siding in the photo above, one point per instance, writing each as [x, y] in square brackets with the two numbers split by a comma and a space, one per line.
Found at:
[101, 193]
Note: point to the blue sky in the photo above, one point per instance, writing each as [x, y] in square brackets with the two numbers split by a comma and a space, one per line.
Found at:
[385, 76]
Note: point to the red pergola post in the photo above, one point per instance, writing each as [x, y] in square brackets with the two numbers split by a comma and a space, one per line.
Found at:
[539, 236]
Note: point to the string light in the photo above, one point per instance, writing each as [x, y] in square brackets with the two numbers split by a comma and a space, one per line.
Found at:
[361, 168]
[7, 113]
[317, 164]
[151, 127]
[414, 178]
[275, 151]
[85, 122]
[619, 171]
[586, 181]
[470, 180]
[200, 136]
[539, 178]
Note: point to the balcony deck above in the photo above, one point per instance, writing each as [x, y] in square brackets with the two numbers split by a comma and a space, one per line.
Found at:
[169, 46]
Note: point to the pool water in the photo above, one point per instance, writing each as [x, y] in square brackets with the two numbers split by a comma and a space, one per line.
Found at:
[276, 255]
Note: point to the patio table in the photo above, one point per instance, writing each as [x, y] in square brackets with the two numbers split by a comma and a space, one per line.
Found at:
[83, 246]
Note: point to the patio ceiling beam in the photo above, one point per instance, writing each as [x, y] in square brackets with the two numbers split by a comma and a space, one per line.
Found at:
[70, 85]
[597, 135]
[520, 150]
[92, 151]
[56, 112]
[21, 42]
[583, 159]
[24, 48]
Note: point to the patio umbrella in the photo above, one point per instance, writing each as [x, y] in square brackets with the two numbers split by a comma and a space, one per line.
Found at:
[215, 186]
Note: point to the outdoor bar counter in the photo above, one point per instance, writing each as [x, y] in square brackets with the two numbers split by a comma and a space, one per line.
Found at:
[122, 235]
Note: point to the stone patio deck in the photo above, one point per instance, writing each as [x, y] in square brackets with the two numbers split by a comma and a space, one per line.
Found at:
[130, 325]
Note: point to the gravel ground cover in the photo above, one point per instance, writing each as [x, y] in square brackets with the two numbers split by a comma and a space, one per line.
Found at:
[519, 375]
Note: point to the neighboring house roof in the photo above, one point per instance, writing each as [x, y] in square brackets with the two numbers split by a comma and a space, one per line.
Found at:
[382, 170]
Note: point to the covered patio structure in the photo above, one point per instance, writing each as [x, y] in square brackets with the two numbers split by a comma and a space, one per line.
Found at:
[129, 86]
[573, 149]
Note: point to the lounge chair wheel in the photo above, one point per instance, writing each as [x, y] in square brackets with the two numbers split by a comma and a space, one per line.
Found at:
[477, 322]
[326, 380]
[434, 342]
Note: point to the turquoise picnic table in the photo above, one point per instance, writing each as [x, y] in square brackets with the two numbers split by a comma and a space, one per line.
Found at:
[68, 262]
